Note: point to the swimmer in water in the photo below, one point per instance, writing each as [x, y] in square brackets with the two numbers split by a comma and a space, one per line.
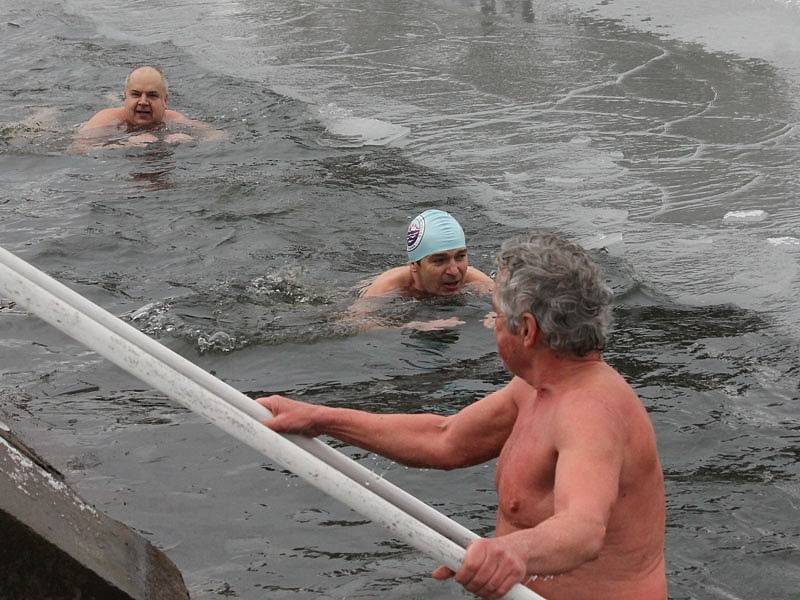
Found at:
[437, 268]
[143, 112]
[437, 262]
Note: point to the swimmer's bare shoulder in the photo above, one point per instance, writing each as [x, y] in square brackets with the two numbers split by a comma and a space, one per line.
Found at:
[108, 117]
[478, 280]
[394, 280]
[173, 117]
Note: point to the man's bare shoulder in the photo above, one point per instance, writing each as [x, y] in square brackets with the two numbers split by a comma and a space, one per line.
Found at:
[397, 279]
[173, 117]
[479, 280]
[108, 117]
[518, 390]
[601, 404]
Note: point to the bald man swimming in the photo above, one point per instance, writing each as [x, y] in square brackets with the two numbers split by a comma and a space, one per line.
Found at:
[144, 114]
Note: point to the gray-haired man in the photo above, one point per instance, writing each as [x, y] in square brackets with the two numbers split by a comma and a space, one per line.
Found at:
[581, 509]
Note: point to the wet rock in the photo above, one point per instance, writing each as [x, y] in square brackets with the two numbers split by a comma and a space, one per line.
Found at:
[55, 546]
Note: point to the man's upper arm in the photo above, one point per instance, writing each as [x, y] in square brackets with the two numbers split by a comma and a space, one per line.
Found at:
[590, 441]
[201, 129]
[478, 432]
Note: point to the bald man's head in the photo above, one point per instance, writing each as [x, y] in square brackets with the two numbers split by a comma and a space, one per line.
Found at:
[145, 98]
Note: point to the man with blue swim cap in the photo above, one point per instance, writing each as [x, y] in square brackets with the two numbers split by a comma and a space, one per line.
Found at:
[437, 261]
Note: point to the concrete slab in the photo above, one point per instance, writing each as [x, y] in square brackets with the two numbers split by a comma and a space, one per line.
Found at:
[54, 546]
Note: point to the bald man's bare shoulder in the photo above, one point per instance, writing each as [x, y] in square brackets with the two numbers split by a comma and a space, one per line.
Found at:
[173, 117]
[108, 117]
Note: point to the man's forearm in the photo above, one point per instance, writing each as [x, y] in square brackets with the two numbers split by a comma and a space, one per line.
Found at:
[559, 544]
[414, 440]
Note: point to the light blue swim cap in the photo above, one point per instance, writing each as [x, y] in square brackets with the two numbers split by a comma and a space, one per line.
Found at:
[431, 232]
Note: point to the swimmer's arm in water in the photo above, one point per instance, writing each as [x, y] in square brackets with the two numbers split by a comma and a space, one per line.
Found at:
[361, 315]
[192, 129]
[97, 131]
[483, 284]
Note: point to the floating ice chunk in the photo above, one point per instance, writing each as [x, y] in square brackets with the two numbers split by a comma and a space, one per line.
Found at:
[355, 131]
[524, 176]
[784, 241]
[564, 180]
[602, 241]
[140, 312]
[219, 341]
[343, 130]
[583, 140]
[745, 216]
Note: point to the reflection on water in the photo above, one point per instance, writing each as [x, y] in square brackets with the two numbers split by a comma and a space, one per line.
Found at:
[157, 164]
[343, 120]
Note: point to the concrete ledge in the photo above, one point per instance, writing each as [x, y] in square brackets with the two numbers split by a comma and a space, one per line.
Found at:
[54, 546]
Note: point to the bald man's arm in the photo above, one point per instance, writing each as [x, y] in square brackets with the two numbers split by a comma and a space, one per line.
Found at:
[96, 131]
[200, 130]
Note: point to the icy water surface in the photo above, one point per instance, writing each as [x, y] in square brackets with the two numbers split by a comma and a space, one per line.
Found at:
[664, 136]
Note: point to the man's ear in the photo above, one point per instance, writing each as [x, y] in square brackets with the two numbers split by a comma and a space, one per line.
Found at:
[529, 329]
[414, 266]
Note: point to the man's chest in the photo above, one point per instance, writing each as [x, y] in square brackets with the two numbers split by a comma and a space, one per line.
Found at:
[525, 475]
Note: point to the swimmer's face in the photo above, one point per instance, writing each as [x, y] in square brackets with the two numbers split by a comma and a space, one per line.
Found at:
[145, 98]
[441, 274]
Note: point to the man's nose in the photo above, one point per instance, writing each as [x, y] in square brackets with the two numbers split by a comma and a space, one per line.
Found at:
[143, 99]
[452, 267]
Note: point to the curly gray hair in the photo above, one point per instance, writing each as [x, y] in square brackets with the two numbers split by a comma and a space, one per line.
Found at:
[557, 282]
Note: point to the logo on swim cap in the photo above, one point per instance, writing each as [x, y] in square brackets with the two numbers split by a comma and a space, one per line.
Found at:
[431, 232]
[415, 232]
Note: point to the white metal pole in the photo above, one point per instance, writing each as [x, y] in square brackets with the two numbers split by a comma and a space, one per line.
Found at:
[70, 312]
[363, 476]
